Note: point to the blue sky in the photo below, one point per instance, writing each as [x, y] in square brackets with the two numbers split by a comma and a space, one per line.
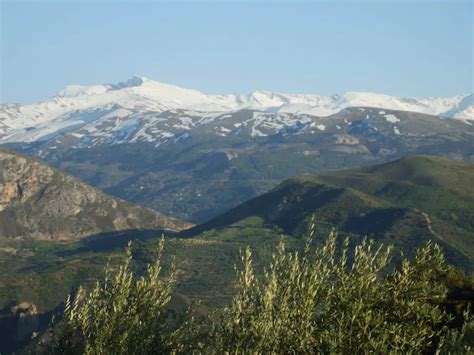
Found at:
[404, 48]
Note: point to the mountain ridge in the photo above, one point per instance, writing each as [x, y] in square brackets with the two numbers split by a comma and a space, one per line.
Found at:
[405, 202]
[77, 104]
[200, 167]
[193, 165]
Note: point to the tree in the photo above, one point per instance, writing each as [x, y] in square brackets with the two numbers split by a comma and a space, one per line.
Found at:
[123, 314]
[330, 299]
[320, 302]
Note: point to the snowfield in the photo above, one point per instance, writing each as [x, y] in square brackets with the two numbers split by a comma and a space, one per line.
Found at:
[141, 109]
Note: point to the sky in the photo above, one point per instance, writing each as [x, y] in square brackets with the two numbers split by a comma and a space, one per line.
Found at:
[402, 48]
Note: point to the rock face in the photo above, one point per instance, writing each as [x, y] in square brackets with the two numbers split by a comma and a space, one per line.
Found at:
[41, 202]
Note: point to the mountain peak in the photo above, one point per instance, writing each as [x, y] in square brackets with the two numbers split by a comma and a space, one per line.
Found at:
[146, 95]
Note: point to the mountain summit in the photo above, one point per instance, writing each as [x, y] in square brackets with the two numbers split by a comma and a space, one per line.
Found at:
[193, 155]
[142, 95]
[174, 97]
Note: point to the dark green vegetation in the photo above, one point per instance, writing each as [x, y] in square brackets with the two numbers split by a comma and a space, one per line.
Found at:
[40, 202]
[317, 301]
[405, 203]
[44, 272]
[206, 174]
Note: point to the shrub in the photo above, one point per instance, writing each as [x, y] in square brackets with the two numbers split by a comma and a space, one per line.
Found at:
[330, 299]
[121, 315]
[318, 301]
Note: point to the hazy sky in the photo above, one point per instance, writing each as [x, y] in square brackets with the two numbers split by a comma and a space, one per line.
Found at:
[404, 48]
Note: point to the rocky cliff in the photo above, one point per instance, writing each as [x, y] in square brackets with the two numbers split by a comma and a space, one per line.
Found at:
[41, 202]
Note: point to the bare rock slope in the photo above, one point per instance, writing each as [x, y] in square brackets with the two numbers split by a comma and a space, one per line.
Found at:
[41, 202]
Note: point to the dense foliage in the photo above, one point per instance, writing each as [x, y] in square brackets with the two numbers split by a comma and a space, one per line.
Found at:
[330, 299]
[123, 314]
[323, 302]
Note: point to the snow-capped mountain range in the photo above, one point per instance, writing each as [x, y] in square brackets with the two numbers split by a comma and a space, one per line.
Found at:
[141, 109]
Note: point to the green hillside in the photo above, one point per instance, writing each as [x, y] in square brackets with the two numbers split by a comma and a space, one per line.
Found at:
[405, 203]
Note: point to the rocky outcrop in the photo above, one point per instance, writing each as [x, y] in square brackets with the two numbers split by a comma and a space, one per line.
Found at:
[41, 202]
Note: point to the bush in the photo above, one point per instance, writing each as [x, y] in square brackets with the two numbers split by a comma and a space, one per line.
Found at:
[319, 302]
[121, 315]
[326, 300]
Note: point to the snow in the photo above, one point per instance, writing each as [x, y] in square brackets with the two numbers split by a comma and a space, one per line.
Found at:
[257, 133]
[123, 130]
[396, 130]
[119, 113]
[392, 118]
[79, 90]
[103, 109]
[166, 134]
[182, 137]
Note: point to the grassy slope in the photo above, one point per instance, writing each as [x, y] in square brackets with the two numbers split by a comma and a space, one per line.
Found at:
[405, 202]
